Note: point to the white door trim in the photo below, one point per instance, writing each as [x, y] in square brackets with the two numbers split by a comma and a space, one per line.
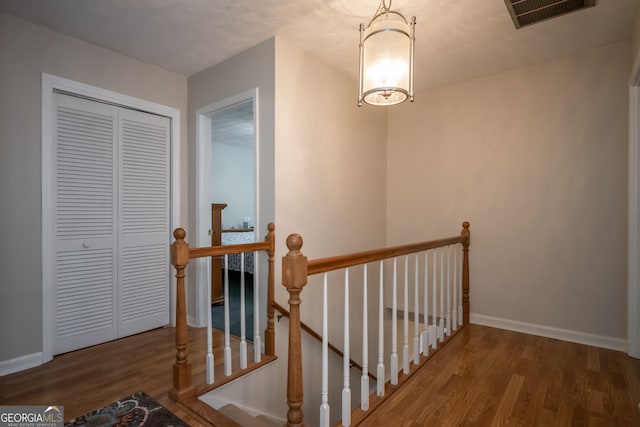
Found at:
[633, 231]
[203, 209]
[49, 84]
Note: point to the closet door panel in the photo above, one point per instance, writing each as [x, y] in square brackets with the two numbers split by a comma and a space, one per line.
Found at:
[144, 233]
[84, 223]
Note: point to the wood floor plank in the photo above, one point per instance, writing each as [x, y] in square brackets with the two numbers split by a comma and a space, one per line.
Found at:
[88, 379]
[482, 377]
[487, 377]
[508, 401]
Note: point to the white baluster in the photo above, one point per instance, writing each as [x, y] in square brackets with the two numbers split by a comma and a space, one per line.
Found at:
[364, 380]
[227, 333]
[324, 406]
[416, 316]
[425, 332]
[394, 326]
[243, 317]
[448, 328]
[257, 341]
[442, 315]
[405, 337]
[346, 389]
[460, 321]
[433, 329]
[454, 315]
[380, 366]
[209, 362]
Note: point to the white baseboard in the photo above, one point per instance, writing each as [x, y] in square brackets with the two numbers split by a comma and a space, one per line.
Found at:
[20, 363]
[549, 332]
[191, 321]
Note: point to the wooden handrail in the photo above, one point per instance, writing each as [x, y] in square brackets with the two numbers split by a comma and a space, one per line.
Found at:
[325, 265]
[295, 271]
[228, 249]
[183, 388]
[308, 329]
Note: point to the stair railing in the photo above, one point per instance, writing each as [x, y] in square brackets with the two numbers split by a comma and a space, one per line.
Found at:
[183, 388]
[443, 264]
[315, 335]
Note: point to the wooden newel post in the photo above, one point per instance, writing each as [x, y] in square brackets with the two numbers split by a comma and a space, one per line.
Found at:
[269, 334]
[466, 235]
[182, 382]
[294, 278]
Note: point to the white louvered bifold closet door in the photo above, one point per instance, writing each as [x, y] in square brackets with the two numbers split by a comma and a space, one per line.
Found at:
[144, 222]
[111, 198]
[85, 223]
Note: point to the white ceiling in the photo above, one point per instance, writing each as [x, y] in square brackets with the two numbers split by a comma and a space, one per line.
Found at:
[234, 125]
[455, 39]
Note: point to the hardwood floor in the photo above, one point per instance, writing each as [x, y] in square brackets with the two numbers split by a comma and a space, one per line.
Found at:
[88, 379]
[483, 377]
[492, 377]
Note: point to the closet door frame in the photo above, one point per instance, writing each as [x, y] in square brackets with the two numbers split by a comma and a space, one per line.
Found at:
[51, 83]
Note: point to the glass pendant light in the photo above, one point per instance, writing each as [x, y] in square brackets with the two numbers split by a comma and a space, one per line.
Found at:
[386, 58]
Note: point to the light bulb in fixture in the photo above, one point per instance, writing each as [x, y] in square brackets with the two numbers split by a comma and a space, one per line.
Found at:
[386, 58]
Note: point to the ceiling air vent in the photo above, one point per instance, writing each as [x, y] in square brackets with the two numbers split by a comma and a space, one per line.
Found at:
[527, 12]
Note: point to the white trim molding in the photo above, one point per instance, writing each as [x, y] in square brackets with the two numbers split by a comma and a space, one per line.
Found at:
[633, 216]
[550, 332]
[50, 84]
[20, 363]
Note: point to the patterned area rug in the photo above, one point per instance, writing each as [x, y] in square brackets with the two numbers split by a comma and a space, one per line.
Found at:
[132, 411]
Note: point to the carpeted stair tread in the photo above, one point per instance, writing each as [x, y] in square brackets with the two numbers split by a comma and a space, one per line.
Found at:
[241, 417]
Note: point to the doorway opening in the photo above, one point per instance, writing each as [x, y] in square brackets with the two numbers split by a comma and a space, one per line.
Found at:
[226, 181]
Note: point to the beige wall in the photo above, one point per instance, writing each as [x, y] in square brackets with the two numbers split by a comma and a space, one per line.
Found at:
[330, 157]
[635, 37]
[536, 159]
[27, 51]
